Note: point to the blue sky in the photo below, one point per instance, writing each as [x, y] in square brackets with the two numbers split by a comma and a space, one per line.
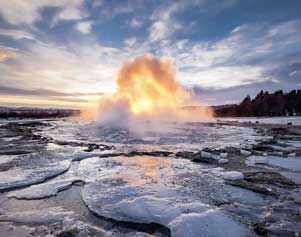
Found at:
[66, 53]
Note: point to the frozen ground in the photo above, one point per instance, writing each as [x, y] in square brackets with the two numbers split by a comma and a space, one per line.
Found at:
[295, 120]
[76, 178]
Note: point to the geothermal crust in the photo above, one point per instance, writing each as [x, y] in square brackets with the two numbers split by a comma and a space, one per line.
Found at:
[76, 178]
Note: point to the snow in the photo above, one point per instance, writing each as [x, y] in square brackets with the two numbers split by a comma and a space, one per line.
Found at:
[40, 191]
[223, 161]
[211, 223]
[206, 154]
[295, 177]
[232, 175]
[295, 120]
[291, 163]
[287, 163]
[41, 216]
[50, 216]
[280, 148]
[4, 159]
[16, 178]
[173, 192]
[245, 153]
[209, 155]
[184, 220]
[253, 160]
[146, 189]
[177, 137]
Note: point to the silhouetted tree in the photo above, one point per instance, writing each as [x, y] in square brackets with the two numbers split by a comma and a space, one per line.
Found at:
[265, 104]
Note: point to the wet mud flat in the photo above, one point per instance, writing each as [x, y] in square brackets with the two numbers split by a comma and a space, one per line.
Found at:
[74, 178]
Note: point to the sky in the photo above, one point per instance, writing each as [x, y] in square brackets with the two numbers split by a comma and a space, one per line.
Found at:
[66, 53]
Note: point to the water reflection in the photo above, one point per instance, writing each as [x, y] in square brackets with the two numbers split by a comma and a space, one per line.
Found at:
[141, 170]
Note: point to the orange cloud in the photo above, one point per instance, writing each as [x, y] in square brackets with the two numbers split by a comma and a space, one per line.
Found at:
[6, 54]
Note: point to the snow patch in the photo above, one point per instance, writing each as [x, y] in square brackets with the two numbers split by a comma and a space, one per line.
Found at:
[4, 159]
[17, 178]
[245, 152]
[123, 202]
[291, 163]
[42, 190]
[253, 160]
[232, 175]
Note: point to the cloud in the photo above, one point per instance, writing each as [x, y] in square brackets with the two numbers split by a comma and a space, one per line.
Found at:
[248, 55]
[285, 28]
[5, 90]
[166, 22]
[135, 23]
[71, 10]
[233, 95]
[130, 41]
[7, 53]
[84, 68]
[42, 96]
[111, 9]
[84, 27]
[28, 12]
[164, 25]
[16, 34]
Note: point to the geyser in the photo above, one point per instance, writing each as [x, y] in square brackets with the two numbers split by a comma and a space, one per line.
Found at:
[147, 89]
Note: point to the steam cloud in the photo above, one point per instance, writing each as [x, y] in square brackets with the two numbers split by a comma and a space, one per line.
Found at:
[147, 90]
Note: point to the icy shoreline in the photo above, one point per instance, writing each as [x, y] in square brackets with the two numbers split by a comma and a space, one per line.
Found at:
[215, 179]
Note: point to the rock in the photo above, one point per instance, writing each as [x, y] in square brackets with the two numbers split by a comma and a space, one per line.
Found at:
[149, 153]
[206, 157]
[223, 161]
[185, 154]
[297, 200]
[8, 230]
[260, 229]
[203, 156]
[205, 160]
[232, 175]
[269, 177]
[6, 162]
[41, 216]
[249, 147]
[262, 147]
[245, 152]
[253, 187]
[72, 232]
[83, 233]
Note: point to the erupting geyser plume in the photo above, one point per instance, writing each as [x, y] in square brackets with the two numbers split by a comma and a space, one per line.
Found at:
[147, 89]
[149, 85]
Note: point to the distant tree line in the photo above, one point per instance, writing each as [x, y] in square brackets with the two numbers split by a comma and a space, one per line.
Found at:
[264, 104]
[8, 113]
